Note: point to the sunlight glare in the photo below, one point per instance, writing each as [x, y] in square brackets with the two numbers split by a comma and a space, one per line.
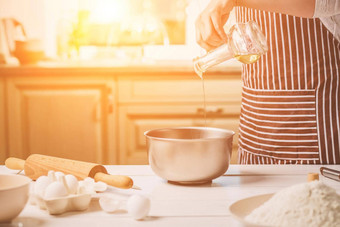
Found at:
[107, 11]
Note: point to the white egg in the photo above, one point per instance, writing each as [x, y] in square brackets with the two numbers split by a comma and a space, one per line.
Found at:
[59, 176]
[109, 204]
[85, 188]
[138, 206]
[80, 187]
[55, 189]
[100, 186]
[40, 185]
[89, 181]
[51, 175]
[72, 184]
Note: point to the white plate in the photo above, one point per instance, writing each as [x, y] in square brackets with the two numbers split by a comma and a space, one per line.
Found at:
[241, 208]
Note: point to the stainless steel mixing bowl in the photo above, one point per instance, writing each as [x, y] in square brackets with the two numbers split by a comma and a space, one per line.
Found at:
[189, 154]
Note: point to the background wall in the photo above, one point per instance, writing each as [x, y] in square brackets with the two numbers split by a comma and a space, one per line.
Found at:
[43, 19]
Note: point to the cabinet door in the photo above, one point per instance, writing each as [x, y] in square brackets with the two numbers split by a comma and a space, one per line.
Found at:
[69, 118]
[135, 120]
[3, 145]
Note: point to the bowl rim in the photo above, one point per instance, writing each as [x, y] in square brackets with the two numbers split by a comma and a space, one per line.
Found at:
[232, 133]
[22, 184]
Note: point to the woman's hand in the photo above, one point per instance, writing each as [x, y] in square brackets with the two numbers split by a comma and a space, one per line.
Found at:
[209, 24]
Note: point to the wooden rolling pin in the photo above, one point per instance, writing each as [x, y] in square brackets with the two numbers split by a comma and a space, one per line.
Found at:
[37, 165]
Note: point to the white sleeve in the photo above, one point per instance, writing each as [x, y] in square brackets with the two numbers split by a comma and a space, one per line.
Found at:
[326, 8]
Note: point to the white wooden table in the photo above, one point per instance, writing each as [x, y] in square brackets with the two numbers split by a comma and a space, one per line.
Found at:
[176, 205]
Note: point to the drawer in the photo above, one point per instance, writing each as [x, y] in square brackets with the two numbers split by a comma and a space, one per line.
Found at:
[135, 120]
[178, 89]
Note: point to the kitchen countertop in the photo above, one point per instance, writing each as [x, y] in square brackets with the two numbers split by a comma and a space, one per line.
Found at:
[177, 205]
[113, 67]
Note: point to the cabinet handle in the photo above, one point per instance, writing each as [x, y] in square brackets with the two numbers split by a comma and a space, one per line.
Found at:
[210, 110]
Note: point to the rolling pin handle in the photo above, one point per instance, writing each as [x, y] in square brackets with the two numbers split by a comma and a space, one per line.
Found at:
[118, 181]
[15, 163]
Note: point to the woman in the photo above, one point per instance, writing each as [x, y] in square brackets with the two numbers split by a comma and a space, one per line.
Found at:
[290, 112]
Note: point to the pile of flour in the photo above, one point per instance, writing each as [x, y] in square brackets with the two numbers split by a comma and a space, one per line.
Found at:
[308, 204]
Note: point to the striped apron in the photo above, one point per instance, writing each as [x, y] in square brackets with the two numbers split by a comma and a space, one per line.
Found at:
[290, 98]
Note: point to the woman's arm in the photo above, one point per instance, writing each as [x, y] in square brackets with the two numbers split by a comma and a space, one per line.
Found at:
[209, 24]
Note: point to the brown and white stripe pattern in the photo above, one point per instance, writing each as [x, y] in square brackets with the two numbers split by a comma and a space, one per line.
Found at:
[290, 101]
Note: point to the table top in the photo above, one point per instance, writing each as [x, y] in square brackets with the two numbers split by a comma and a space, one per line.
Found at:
[179, 205]
[112, 68]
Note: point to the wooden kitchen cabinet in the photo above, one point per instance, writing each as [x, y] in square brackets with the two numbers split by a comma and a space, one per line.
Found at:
[135, 120]
[69, 117]
[100, 114]
[151, 102]
[3, 143]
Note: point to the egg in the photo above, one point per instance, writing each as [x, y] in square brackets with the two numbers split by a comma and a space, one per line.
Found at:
[40, 185]
[59, 176]
[85, 188]
[51, 175]
[100, 186]
[55, 189]
[72, 184]
[138, 206]
[88, 181]
[109, 204]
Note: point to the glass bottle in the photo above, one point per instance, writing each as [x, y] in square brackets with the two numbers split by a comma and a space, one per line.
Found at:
[246, 43]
